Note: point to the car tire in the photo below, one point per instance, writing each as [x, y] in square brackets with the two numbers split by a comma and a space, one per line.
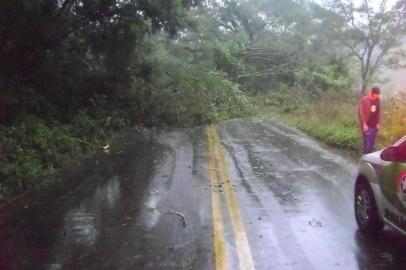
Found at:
[366, 211]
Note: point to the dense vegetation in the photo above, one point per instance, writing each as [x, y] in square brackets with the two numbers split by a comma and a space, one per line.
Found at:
[75, 73]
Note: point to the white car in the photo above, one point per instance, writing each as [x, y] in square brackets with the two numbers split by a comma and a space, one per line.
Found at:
[380, 189]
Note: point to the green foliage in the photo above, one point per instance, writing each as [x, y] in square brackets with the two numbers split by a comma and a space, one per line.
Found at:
[283, 100]
[331, 119]
[182, 99]
[61, 54]
[336, 134]
[323, 78]
[31, 150]
[86, 70]
[191, 88]
[225, 58]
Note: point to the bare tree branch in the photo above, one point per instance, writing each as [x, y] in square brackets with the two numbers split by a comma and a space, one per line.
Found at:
[370, 35]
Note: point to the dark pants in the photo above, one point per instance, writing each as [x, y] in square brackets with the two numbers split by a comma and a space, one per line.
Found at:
[369, 140]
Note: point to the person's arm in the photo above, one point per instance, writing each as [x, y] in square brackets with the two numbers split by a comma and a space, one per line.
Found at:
[362, 116]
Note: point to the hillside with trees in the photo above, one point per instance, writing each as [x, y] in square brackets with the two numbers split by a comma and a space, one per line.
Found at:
[75, 73]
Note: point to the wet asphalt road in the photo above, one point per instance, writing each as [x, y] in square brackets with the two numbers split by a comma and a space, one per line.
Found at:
[279, 200]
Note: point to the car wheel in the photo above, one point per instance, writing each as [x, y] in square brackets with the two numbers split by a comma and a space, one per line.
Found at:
[366, 211]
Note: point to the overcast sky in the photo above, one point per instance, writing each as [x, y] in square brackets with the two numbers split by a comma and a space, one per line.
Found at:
[374, 3]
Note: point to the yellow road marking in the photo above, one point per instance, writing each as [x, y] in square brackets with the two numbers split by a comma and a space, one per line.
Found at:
[243, 249]
[220, 255]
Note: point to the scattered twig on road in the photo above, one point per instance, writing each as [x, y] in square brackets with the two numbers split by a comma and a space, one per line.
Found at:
[218, 187]
[182, 216]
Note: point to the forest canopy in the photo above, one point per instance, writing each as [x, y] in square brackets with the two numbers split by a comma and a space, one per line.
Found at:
[72, 54]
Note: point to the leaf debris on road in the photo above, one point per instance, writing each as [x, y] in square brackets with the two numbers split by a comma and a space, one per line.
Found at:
[182, 216]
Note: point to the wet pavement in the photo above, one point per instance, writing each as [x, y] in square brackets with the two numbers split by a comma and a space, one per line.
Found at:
[279, 200]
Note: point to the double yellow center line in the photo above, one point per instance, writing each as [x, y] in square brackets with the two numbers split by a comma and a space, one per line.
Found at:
[220, 181]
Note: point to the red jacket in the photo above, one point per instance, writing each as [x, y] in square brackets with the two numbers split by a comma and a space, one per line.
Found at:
[364, 110]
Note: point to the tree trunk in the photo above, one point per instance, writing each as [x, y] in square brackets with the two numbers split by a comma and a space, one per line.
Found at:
[364, 79]
[364, 85]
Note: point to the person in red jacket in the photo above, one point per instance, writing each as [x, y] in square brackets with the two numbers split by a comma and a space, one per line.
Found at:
[369, 118]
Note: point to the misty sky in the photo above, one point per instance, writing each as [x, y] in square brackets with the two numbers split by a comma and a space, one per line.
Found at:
[374, 3]
[396, 77]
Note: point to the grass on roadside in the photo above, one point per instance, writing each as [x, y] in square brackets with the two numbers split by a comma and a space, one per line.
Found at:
[334, 120]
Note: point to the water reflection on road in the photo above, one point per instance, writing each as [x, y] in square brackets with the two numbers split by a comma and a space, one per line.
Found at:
[83, 227]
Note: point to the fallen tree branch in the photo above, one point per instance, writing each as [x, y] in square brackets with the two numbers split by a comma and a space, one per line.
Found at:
[180, 215]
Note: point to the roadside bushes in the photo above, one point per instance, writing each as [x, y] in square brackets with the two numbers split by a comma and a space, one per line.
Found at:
[175, 91]
[395, 118]
[32, 149]
[333, 122]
